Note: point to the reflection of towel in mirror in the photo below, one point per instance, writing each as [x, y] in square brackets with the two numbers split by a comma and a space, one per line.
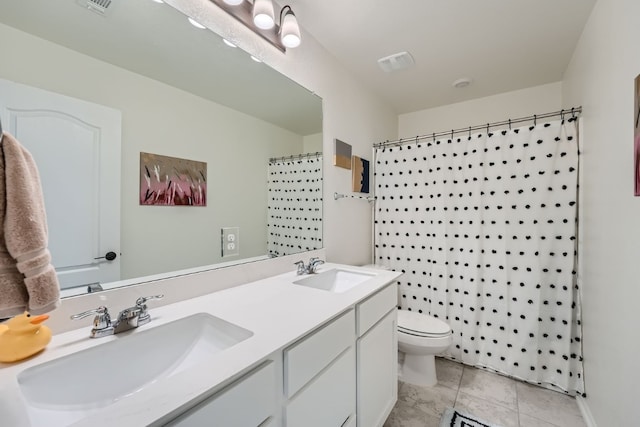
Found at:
[28, 281]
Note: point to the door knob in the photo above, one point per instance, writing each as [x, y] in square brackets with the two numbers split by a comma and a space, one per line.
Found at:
[109, 256]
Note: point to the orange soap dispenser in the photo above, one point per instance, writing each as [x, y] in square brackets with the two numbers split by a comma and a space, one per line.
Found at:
[23, 336]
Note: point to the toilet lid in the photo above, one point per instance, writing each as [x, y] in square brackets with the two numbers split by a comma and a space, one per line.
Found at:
[421, 324]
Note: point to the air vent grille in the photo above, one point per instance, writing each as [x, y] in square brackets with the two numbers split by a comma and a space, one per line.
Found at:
[98, 6]
[395, 62]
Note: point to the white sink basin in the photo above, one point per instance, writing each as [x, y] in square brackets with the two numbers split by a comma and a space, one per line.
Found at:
[335, 280]
[67, 389]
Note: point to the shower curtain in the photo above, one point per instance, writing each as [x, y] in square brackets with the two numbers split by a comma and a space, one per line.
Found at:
[294, 207]
[484, 227]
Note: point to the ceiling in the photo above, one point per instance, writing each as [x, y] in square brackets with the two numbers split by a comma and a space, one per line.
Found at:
[503, 45]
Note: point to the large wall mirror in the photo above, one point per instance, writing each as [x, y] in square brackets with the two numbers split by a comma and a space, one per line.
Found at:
[177, 91]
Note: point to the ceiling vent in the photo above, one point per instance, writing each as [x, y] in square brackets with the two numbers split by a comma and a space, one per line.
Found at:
[97, 6]
[397, 61]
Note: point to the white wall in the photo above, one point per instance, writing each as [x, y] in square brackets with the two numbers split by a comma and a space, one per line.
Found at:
[350, 113]
[601, 78]
[312, 143]
[160, 119]
[510, 105]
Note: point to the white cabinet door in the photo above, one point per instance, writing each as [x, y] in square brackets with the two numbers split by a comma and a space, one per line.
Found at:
[249, 402]
[329, 399]
[76, 146]
[377, 372]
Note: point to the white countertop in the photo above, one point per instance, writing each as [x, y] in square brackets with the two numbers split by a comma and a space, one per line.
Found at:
[277, 311]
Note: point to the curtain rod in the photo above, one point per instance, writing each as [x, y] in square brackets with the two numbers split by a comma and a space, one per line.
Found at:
[573, 112]
[295, 156]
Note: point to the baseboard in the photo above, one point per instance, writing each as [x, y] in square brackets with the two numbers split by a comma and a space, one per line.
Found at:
[586, 412]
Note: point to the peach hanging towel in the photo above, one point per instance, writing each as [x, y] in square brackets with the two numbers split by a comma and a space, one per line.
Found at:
[28, 281]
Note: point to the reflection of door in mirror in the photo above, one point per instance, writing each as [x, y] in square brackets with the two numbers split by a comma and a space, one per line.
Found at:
[76, 146]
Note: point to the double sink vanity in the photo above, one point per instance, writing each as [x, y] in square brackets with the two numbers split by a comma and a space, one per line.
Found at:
[289, 350]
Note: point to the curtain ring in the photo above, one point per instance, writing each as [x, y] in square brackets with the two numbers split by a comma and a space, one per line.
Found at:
[434, 137]
[451, 134]
[469, 132]
[416, 140]
[573, 114]
[535, 120]
[509, 124]
[562, 114]
[488, 129]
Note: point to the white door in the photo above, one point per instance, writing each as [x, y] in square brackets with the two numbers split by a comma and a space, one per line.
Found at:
[76, 146]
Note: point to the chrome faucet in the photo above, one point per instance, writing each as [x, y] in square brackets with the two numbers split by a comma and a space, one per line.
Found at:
[129, 318]
[308, 269]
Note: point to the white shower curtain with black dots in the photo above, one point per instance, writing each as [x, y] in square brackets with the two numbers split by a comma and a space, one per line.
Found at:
[294, 206]
[484, 227]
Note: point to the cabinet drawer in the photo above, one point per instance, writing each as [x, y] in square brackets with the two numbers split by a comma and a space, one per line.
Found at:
[246, 403]
[329, 399]
[305, 359]
[375, 307]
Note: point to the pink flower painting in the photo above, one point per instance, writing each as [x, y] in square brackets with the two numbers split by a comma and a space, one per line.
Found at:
[170, 181]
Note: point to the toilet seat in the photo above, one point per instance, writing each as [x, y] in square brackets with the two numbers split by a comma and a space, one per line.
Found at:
[421, 325]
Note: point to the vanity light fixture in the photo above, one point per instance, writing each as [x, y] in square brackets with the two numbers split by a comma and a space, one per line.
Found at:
[259, 17]
[263, 15]
[289, 29]
[196, 23]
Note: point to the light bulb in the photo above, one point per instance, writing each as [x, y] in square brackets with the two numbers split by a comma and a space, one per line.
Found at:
[289, 30]
[263, 15]
[196, 23]
[228, 43]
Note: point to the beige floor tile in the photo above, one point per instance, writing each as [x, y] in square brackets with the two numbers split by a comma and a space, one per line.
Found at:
[549, 406]
[489, 386]
[449, 373]
[487, 410]
[405, 415]
[430, 400]
[529, 421]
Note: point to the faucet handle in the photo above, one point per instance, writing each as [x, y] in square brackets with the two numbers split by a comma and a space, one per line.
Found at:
[301, 267]
[102, 319]
[140, 302]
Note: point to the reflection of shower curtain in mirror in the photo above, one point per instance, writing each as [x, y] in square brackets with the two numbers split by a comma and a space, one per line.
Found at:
[294, 210]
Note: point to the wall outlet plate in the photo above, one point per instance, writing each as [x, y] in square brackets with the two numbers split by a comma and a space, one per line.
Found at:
[230, 241]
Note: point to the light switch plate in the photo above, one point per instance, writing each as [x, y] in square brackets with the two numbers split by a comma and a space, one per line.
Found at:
[230, 241]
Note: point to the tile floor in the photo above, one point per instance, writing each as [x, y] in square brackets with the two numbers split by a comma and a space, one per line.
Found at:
[489, 396]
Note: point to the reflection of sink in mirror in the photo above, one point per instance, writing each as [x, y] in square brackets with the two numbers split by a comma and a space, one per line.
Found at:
[67, 389]
[335, 280]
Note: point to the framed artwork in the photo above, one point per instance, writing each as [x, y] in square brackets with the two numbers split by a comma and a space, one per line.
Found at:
[636, 138]
[360, 174]
[342, 154]
[171, 181]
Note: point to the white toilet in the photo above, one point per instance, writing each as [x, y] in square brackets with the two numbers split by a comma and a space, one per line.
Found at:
[420, 338]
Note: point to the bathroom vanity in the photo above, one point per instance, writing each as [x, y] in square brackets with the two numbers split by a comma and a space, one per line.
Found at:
[316, 350]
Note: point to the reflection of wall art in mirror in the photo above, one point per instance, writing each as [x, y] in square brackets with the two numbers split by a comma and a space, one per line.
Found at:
[360, 174]
[170, 181]
[342, 154]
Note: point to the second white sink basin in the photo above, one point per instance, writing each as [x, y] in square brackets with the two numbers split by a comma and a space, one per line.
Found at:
[335, 280]
[68, 388]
